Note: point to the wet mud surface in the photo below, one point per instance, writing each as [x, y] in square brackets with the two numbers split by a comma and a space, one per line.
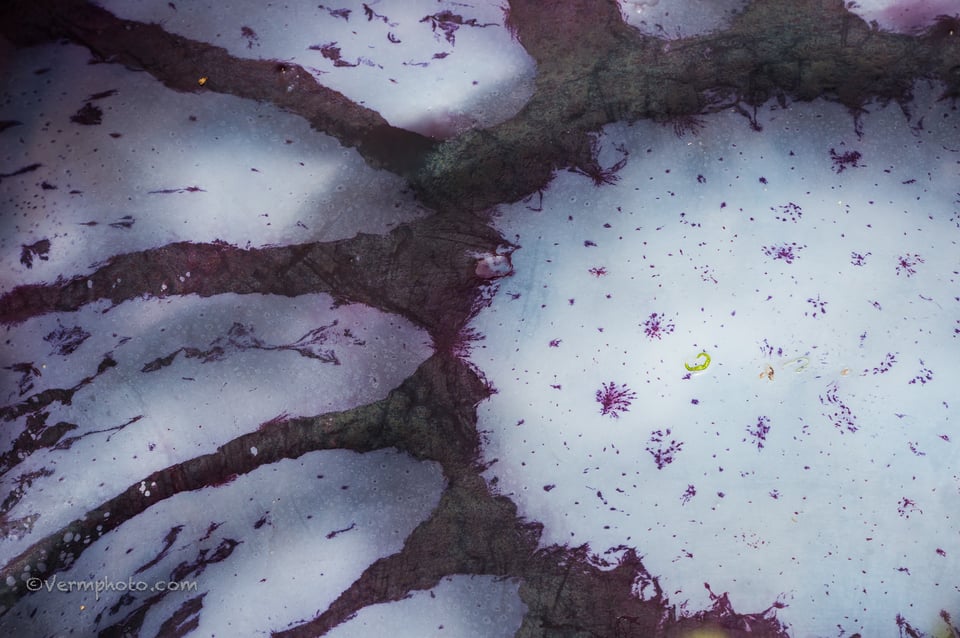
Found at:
[592, 70]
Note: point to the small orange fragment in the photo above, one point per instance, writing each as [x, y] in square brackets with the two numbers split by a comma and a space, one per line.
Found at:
[202, 81]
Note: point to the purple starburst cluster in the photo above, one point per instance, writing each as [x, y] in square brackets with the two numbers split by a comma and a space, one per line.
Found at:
[759, 430]
[663, 452]
[657, 325]
[784, 252]
[614, 399]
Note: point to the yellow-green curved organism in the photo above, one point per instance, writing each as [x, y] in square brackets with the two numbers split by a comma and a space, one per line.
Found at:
[801, 363]
[699, 366]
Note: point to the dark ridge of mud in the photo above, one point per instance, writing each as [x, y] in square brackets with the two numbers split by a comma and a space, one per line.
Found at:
[593, 70]
[425, 270]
